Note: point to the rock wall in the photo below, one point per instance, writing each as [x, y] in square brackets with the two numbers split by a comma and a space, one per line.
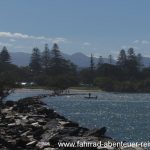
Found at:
[30, 125]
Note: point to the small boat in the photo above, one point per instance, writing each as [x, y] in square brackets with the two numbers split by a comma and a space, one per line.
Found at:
[91, 97]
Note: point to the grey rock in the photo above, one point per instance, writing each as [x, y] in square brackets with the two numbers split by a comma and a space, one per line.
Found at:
[42, 145]
[68, 124]
[41, 122]
[32, 143]
[96, 132]
[49, 148]
[29, 124]
[25, 133]
[36, 124]
[11, 124]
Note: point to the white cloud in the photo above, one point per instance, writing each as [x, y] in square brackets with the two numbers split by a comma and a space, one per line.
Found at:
[86, 44]
[145, 42]
[14, 35]
[59, 40]
[141, 42]
[31, 37]
[136, 42]
[129, 46]
[12, 40]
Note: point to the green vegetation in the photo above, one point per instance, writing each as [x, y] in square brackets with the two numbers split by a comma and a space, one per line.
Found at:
[127, 75]
[49, 69]
[53, 70]
[6, 73]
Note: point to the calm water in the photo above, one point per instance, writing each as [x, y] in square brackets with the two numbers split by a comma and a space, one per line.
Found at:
[127, 116]
[22, 93]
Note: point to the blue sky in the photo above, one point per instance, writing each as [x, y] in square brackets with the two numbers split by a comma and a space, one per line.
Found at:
[101, 27]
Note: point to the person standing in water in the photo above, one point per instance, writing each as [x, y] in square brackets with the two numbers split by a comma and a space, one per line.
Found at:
[89, 95]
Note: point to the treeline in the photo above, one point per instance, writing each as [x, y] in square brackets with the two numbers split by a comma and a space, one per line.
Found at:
[48, 68]
[7, 73]
[127, 75]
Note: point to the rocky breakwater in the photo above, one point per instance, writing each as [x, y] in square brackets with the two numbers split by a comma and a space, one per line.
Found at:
[29, 124]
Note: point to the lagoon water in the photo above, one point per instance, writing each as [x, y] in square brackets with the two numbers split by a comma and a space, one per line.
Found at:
[22, 93]
[126, 116]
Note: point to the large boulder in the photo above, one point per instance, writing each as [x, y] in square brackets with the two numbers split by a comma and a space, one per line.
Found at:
[96, 132]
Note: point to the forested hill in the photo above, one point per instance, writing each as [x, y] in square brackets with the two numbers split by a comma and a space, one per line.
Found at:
[80, 59]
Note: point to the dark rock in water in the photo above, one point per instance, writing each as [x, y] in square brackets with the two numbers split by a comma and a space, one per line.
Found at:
[69, 124]
[96, 132]
[72, 131]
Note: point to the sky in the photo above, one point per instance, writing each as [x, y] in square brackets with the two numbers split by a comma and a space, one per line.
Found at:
[101, 27]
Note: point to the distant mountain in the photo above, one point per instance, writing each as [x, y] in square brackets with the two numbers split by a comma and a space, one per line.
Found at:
[20, 58]
[146, 61]
[80, 59]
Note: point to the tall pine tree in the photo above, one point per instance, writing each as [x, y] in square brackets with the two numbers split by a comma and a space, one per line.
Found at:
[100, 62]
[58, 64]
[122, 58]
[4, 55]
[62, 72]
[46, 58]
[92, 67]
[35, 63]
[140, 61]
[132, 64]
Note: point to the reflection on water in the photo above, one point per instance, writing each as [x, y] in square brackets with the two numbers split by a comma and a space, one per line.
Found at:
[127, 116]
